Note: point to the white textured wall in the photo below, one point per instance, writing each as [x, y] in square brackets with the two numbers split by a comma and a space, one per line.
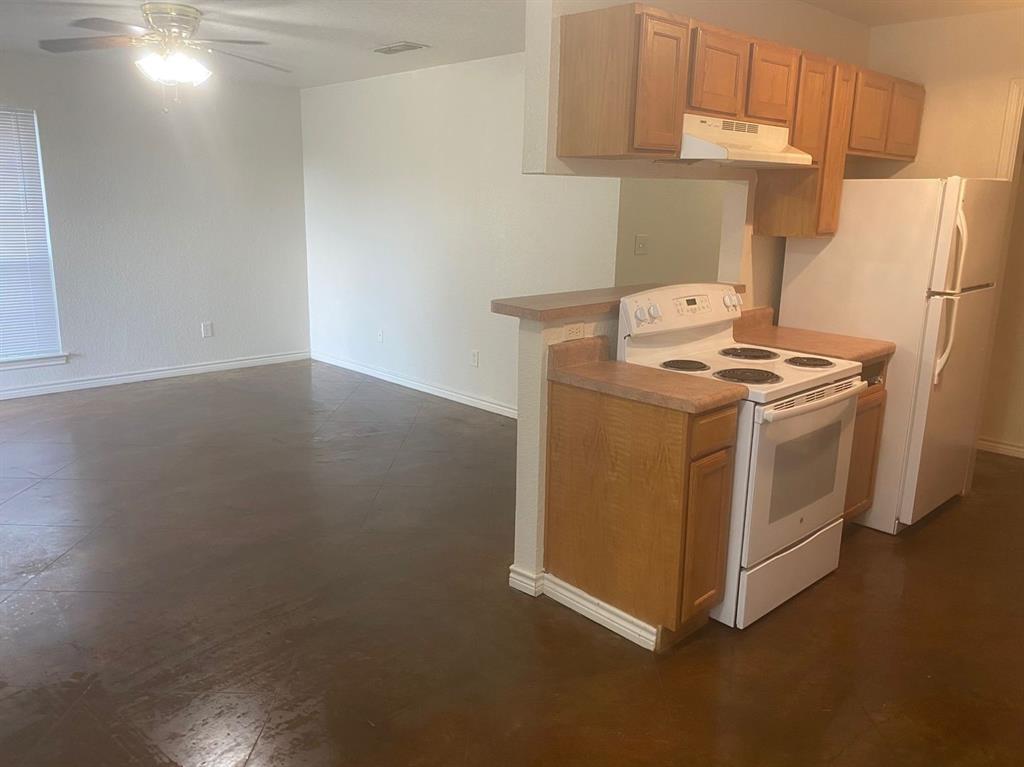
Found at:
[683, 223]
[966, 64]
[160, 221]
[417, 215]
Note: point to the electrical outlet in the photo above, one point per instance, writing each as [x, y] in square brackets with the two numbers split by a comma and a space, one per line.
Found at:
[474, 358]
[640, 245]
[206, 329]
[380, 336]
[574, 331]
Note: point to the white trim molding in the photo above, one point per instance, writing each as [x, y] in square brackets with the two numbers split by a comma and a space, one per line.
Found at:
[613, 618]
[579, 601]
[526, 581]
[152, 374]
[411, 383]
[1003, 448]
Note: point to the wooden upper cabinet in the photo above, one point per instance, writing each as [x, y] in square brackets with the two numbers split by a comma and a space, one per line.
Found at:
[905, 119]
[662, 65]
[871, 104]
[721, 61]
[622, 82]
[774, 72]
[813, 102]
[833, 166]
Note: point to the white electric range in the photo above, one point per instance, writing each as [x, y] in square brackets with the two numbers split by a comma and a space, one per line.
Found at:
[794, 436]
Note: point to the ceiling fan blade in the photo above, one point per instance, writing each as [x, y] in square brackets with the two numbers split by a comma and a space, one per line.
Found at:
[232, 42]
[109, 25]
[71, 44]
[246, 58]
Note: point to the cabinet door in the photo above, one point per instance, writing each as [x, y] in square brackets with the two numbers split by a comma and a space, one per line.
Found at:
[707, 532]
[905, 119]
[813, 100]
[867, 435]
[833, 166]
[871, 105]
[660, 84]
[774, 70]
[720, 64]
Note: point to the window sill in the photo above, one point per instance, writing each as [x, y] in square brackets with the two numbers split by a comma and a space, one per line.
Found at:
[34, 362]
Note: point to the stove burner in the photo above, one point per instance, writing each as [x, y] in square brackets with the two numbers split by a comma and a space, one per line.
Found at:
[748, 376]
[685, 365]
[748, 353]
[810, 362]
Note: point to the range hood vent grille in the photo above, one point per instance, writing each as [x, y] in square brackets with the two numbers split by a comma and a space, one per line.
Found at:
[740, 127]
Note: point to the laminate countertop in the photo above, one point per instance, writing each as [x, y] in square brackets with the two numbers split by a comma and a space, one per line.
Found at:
[691, 394]
[547, 307]
[862, 350]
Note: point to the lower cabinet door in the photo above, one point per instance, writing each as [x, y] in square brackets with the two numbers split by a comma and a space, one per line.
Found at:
[867, 435]
[707, 532]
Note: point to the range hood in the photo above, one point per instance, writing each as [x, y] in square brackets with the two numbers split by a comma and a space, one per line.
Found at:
[738, 143]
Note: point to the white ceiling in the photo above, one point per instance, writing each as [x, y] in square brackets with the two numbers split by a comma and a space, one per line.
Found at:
[878, 12]
[321, 41]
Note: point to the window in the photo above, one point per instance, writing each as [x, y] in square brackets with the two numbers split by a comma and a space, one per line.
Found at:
[29, 329]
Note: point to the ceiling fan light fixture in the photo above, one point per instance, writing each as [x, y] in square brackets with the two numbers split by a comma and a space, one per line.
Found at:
[175, 68]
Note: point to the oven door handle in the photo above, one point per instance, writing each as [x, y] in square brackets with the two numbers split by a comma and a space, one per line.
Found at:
[773, 416]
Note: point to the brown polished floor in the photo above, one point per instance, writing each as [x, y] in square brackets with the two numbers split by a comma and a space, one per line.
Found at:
[297, 565]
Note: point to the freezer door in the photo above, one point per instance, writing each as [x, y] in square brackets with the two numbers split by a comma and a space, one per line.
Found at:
[979, 226]
[958, 337]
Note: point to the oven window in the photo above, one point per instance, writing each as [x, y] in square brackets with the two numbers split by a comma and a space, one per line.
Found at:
[805, 471]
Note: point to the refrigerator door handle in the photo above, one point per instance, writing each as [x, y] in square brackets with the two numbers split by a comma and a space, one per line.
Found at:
[961, 248]
[942, 359]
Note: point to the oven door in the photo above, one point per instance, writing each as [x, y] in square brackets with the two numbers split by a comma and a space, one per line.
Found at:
[800, 461]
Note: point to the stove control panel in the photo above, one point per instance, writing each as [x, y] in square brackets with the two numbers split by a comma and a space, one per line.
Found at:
[692, 304]
[678, 307]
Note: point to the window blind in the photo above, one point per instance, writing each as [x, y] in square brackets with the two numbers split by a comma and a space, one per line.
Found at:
[28, 302]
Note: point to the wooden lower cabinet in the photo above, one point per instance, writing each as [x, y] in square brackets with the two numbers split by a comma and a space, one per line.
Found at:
[637, 504]
[867, 436]
[707, 532]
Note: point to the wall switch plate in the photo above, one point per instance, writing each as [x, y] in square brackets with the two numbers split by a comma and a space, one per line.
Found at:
[206, 329]
[474, 358]
[574, 331]
[380, 336]
[640, 245]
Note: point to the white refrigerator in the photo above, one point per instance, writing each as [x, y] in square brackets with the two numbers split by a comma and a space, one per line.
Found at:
[917, 262]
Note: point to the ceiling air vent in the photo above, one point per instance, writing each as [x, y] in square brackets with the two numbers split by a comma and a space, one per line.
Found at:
[399, 47]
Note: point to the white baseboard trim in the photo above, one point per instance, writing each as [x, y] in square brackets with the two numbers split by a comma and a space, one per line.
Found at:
[150, 375]
[526, 581]
[1003, 448]
[613, 618]
[411, 383]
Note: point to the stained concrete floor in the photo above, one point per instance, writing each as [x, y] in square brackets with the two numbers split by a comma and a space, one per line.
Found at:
[298, 565]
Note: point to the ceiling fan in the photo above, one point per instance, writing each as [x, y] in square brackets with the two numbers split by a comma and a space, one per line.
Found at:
[169, 36]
